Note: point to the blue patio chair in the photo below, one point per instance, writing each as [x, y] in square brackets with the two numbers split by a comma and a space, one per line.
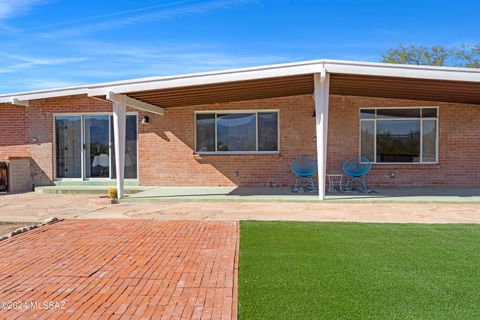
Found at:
[356, 169]
[303, 168]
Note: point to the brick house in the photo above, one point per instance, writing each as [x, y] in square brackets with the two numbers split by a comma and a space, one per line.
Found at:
[417, 125]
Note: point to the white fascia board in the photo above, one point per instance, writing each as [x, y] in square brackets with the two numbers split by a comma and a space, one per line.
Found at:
[134, 103]
[403, 71]
[44, 94]
[210, 78]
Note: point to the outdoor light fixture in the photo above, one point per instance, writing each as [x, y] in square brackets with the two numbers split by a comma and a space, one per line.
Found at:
[146, 120]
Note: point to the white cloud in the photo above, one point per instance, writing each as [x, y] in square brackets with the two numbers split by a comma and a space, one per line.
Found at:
[161, 58]
[30, 60]
[139, 15]
[12, 8]
[98, 61]
[11, 63]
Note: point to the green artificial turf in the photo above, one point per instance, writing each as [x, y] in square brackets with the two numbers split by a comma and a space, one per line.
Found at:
[301, 270]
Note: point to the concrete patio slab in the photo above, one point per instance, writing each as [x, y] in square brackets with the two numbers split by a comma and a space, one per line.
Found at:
[117, 269]
[285, 194]
[351, 212]
[34, 207]
[411, 195]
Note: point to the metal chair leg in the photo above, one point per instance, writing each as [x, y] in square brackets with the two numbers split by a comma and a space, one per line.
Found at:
[311, 184]
[348, 185]
[295, 186]
[360, 180]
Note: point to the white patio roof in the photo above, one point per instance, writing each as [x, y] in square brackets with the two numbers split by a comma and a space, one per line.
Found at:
[256, 73]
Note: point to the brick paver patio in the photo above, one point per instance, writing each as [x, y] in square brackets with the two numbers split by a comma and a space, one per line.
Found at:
[121, 269]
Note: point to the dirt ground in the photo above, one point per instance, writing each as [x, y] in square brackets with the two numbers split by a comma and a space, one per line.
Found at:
[6, 227]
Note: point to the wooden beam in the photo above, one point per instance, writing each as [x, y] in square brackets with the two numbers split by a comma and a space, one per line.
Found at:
[134, 103]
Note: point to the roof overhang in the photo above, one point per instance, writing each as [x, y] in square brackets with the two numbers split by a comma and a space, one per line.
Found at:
[347, 77]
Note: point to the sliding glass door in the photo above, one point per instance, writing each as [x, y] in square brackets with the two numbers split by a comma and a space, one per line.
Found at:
[68, 149]
[97, 146]
[84, 147]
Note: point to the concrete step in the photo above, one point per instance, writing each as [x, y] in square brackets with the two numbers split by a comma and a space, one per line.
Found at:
[89, 183]
[86, 189]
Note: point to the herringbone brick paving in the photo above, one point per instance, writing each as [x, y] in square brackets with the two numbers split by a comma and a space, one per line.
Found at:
[121, 269]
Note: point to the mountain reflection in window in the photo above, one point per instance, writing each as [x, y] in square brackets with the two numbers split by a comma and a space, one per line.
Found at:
[255, 131]
[398, 141]
[236, 132]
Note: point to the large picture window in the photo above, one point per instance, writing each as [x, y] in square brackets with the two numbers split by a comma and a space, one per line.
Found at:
[236, 132]
[399, 135]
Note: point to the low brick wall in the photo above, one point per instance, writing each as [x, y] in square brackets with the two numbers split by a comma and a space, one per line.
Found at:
[20, 179]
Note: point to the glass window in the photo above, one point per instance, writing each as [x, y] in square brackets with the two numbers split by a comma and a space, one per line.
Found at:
[429, 145]
[402, 135]
[398, 113]
[267, 131]
[367, 113]
[398, 141]
[368, 140]
[205, 132]
[429, 113]
[237, 132]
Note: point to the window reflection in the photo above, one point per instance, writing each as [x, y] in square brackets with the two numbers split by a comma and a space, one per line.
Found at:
[236, 132]
[398, 141]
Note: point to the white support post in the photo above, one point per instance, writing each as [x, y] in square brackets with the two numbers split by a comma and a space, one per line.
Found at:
[321, 95]
[119, 123]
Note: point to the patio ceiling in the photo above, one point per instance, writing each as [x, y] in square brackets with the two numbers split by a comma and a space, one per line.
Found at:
[230, 91]
[342, 84]
[405, 88]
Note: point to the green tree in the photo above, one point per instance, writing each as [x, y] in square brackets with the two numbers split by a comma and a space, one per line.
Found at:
[419, 55]
[461, 56]
[468, 56]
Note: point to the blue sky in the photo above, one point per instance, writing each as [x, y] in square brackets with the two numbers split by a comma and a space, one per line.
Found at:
[52, 43]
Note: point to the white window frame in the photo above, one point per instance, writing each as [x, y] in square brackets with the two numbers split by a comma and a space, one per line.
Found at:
[216, 112]
[82, 152]
[421, 119]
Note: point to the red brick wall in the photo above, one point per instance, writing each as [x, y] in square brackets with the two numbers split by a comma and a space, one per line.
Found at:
[459, 143]
[166, 145]
[18, 125]
[167, 157]
[12, 132]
